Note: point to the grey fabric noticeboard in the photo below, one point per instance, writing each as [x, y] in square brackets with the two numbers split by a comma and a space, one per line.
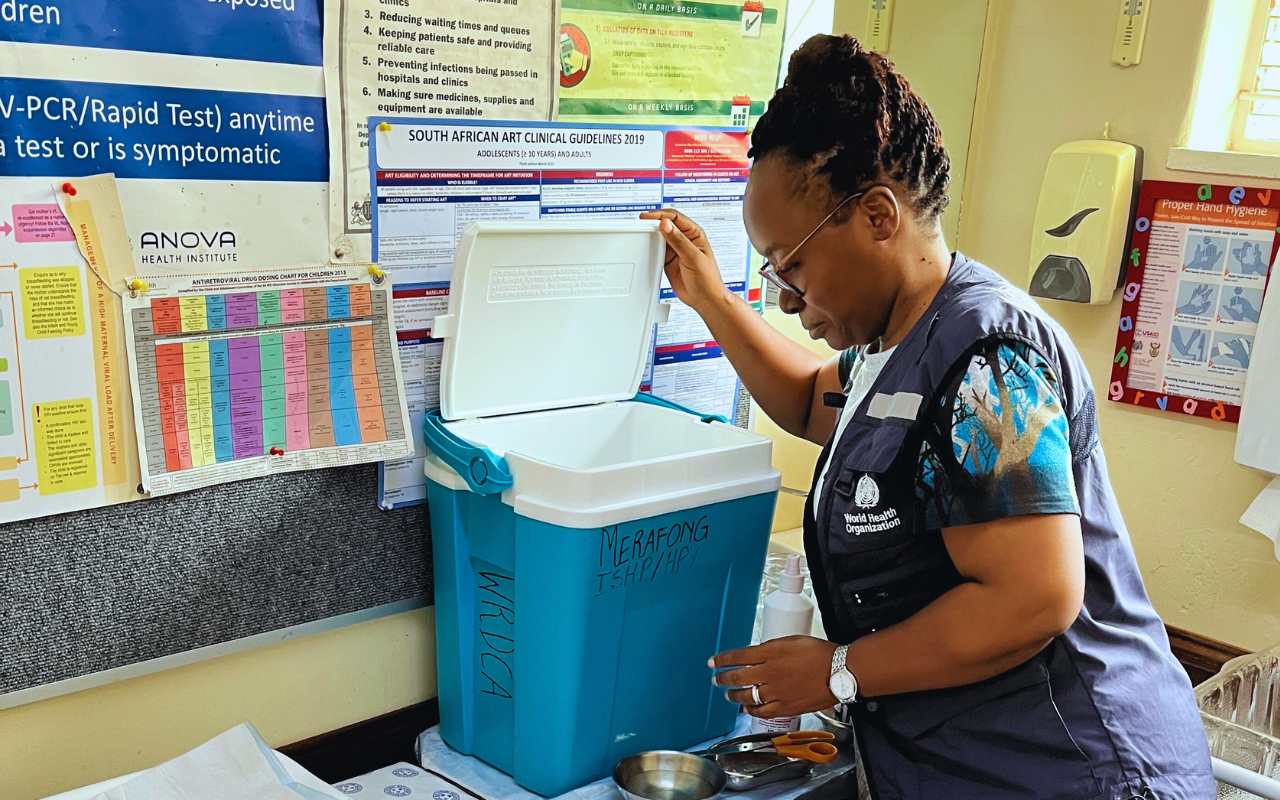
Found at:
[112, 587]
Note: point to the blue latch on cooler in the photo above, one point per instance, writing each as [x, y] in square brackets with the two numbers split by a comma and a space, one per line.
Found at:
[641, 397]
[484, 472]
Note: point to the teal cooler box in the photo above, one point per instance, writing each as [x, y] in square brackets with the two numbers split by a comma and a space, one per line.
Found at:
[592, 548]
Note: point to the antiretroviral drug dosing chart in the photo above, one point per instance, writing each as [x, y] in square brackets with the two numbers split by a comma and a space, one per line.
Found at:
[262, 378]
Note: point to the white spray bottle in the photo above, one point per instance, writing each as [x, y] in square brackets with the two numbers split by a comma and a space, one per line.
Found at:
[788, 611]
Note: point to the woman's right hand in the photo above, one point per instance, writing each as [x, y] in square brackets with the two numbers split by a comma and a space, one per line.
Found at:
[690, 265]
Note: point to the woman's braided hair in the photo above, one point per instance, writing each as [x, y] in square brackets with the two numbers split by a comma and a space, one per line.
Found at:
[848, 116]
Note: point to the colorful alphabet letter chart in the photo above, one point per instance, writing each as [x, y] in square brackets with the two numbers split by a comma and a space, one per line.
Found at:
[262, 378]
[1198, 267]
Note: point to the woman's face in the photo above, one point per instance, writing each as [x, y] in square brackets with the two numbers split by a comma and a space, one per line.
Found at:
[847, 279]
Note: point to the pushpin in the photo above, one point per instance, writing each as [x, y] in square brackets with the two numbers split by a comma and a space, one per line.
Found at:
[276, 451]
[67, 188]
[384, 126]
[138, 285]
[377, 274]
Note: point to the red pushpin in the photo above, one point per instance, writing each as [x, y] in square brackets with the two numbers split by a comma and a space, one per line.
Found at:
[276, 451]
[67, 188]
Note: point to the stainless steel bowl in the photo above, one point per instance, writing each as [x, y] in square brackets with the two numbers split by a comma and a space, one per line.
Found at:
[668, 775]
[833, 724]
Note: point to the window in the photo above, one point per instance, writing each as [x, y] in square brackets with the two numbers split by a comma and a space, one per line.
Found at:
[1256, 124]
[1233, 124]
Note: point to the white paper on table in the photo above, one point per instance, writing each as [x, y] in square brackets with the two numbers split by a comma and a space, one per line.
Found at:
[234, 764]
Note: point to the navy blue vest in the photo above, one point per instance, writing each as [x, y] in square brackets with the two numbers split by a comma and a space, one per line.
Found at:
[1105, 710]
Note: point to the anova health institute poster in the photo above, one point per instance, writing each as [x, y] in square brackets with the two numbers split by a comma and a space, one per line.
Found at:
[210, 115]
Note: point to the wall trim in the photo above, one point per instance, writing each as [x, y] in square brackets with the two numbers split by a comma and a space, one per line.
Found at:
[1201, 656]
[365, 746]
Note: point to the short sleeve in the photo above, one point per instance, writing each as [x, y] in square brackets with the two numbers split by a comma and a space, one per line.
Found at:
[844, 366]
[998, 443]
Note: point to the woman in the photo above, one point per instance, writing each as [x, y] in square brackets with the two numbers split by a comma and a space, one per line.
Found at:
[967, 553]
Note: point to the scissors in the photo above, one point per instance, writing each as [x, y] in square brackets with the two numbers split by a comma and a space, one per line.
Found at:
[813, 746]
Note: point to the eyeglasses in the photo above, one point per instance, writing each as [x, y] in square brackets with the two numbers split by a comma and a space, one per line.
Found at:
[773, 274]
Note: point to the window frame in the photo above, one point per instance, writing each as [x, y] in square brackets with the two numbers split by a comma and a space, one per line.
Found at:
[1236, 139]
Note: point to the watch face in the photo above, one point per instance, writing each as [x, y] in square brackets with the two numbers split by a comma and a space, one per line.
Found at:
[842, 686]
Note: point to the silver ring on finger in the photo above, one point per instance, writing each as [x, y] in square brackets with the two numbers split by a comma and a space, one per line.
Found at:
[755, 695]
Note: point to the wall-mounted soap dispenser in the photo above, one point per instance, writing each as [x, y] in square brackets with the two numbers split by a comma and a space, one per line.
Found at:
[1082, 233]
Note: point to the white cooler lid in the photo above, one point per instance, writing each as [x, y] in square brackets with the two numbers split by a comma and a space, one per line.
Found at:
[548, 314]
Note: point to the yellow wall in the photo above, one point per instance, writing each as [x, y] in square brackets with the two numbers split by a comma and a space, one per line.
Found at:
[290, 691]
[1047, 79]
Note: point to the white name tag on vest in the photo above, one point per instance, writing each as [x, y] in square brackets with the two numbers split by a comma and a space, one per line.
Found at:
[903, 405]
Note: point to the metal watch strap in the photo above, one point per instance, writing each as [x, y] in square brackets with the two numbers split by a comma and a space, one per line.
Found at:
[838, 666]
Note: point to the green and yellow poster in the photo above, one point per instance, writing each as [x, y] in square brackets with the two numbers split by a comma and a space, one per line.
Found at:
[674, 61]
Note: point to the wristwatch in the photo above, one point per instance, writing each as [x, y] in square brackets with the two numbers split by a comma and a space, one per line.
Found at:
[842, 683]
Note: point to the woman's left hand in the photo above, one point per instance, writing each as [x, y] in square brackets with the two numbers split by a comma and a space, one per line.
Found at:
[792, 674]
